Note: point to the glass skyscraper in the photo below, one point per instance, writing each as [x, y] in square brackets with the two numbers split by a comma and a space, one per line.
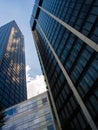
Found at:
[32, 114]
[12, 66]
[66, 36]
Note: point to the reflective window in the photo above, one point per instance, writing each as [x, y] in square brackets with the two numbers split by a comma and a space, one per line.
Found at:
[50, 127]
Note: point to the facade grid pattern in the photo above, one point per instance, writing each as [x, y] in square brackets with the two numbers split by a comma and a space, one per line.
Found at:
[32, 114]
[78, 58]
[12, 66]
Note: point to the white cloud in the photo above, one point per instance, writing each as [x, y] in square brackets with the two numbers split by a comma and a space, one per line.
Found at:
[35, 85]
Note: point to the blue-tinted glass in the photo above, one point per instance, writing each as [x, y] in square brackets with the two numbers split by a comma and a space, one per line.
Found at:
[50, 127]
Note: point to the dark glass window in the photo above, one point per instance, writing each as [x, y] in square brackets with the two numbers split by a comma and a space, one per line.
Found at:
[44, 101]
[50, 127]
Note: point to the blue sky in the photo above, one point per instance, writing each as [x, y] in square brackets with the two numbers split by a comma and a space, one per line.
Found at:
[20, 11]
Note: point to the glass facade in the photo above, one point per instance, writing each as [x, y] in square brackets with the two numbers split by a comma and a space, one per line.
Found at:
[32, 114]
[70, 27]
[12, 66]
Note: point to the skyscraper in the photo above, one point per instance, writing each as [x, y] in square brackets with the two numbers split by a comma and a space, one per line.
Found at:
[12, 66]
[66, 36]
[32, 114]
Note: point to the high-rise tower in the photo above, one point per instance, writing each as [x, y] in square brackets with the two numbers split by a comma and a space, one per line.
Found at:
[12, 66]
[66, 36]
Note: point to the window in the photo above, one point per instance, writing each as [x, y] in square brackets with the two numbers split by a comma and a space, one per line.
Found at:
[48, 117]
[44, 101]
[50, 127]
[35, 106]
